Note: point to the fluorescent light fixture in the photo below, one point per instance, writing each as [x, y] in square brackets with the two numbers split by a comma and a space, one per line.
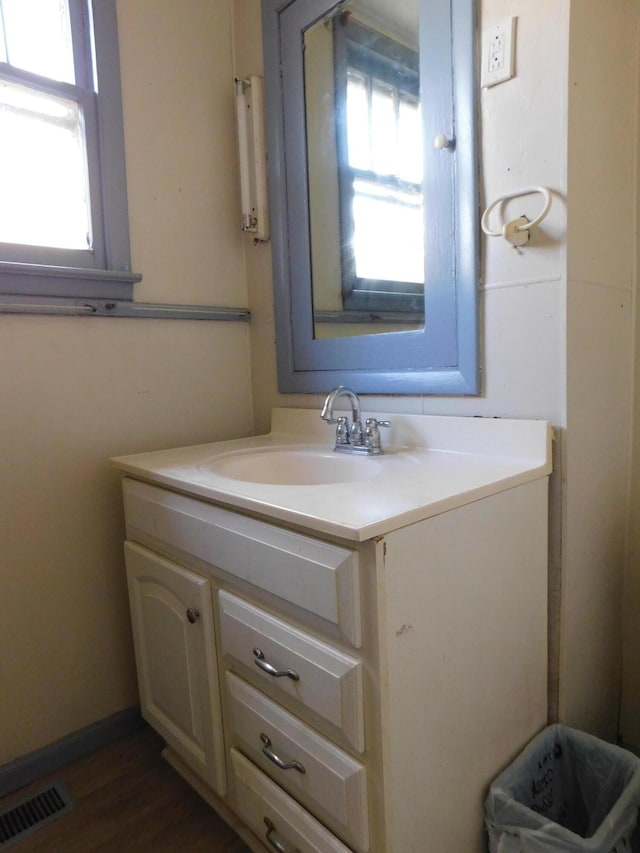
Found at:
[252, 157]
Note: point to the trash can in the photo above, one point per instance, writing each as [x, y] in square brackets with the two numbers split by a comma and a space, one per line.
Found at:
[567, 791]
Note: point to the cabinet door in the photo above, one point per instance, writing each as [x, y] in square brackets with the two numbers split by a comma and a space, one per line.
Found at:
[172, 617]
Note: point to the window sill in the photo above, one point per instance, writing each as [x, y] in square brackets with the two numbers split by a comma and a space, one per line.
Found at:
[68, 291]
[72, 282]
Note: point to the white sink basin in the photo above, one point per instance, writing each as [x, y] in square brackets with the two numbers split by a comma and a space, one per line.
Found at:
[294, 466]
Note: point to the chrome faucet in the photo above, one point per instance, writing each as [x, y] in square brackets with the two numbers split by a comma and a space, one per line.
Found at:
[353, 438]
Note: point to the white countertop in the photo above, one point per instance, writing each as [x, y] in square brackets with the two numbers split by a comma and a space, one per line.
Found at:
[431, 464]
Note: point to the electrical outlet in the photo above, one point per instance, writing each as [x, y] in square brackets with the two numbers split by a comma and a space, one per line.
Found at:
[498, 53]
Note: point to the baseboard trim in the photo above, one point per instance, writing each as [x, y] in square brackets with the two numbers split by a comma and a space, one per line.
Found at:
[22, 771]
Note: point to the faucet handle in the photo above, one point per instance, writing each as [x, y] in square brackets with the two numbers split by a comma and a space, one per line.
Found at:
[372, 433]
[342, 431]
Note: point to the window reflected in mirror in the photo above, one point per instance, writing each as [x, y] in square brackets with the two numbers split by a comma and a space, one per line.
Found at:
[365, 162]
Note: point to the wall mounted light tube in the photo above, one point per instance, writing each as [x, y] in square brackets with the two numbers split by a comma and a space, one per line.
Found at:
[252, 157]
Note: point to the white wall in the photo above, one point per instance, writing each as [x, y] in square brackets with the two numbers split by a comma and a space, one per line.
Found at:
[555, 317]
[78, 390]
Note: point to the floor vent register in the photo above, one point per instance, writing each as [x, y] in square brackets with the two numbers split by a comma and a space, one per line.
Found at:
[36, 810]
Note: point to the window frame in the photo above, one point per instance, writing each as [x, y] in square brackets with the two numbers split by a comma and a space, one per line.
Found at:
[105, 270]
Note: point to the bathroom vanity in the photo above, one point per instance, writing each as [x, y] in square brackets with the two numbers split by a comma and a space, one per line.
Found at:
[342, 653]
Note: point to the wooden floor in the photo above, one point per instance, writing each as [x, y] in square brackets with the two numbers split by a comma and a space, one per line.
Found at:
[128, 801]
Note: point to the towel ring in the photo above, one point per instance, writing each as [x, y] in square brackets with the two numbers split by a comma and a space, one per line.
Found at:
[516, 231]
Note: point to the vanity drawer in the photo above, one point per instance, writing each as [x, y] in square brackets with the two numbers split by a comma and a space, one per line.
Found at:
[322, 775]
[321, 678]
[274, 816]
[317, 576]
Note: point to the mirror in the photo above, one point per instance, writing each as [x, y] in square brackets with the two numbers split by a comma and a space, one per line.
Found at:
[375, 228]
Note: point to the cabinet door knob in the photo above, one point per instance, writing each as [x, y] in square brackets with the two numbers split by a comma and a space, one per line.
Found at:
[192, 615]
[275, 759]
[269, 668]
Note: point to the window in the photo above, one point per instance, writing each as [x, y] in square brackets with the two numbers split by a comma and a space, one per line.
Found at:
[380, 169]
[63, 207]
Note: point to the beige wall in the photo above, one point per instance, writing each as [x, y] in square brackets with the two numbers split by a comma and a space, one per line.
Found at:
[630, 716]
[602, 145]
[179, 109]
[78, 390]
[556, 318]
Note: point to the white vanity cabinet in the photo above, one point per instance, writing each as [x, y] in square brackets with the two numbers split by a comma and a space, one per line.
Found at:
[332, 694]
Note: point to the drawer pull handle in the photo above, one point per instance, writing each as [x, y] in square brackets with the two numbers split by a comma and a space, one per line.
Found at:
[265, 666]
[274, 841]
[275, 759]
[192, 615]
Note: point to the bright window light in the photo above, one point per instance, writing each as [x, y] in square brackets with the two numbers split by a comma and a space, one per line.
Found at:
[43, 173]
[384, 141]
[35, 35]
[43, 168]
[387, 242]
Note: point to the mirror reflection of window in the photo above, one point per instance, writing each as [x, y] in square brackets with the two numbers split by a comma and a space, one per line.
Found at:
[383, 184]
[365, 161]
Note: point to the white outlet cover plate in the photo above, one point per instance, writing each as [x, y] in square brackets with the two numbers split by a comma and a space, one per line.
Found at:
[501, 68]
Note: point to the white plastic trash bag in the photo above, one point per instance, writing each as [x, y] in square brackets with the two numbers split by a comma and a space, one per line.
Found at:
[567, 791]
